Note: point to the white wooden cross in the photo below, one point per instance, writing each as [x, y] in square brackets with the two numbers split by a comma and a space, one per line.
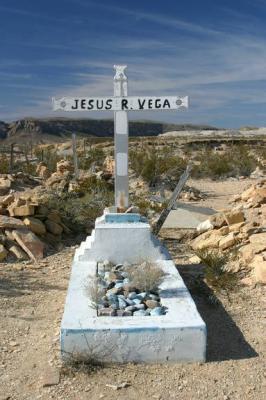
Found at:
[120, 103]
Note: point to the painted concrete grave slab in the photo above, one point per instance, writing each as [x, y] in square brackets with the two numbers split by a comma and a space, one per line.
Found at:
[179, 335]
[119, 237]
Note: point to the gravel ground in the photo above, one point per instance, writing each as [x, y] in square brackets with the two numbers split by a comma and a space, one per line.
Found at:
[31, 305]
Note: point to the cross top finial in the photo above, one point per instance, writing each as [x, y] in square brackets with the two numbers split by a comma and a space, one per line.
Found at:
[120, 72]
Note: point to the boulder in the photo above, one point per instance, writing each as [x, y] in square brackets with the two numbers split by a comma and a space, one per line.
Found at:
[109, 165]
[234, 217]
[35, 225]
[205, 226]
[236, 227]
[258, 238]
[227, 241]
[10, 223]
[17, 252]
[42, 171]
[210, 242]
[21, 211]
[248, 251]
[217, 220]
[259, 269]
[3, 252]
[247, 194]
[7, 200]
[5, 186]
[63, 167]
[54, 216]
[53, 227]
[224, 230]
[30, 243]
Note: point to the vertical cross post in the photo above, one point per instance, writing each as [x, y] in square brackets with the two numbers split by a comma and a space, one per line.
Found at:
[121, 140]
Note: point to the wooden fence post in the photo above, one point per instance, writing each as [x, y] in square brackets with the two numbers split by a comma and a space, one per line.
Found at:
[11, 157]
[184, 177]
[75, 157]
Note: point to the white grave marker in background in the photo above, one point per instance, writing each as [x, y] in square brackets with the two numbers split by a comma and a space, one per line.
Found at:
[120, 103]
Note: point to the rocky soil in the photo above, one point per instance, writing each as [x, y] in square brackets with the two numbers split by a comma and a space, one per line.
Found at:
[32, 296]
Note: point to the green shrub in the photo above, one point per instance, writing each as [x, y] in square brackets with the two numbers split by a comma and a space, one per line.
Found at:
[4, 164]
[48, 156]
[95, 156]
[236, 161]
[152, 165]
[216, 273]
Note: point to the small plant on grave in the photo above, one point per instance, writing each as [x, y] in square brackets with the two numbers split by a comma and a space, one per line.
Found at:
[216, 272]
[94, 291]
[146, 277]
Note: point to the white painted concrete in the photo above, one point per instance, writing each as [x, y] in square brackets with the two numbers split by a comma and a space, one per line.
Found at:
[178, 336]
[120, 242]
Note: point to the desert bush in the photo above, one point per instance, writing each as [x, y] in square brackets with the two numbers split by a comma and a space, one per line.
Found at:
[146, 276]
[4, 164]
[236, 161]
[94, 291]
[216, 274]
[94, 156]
[80, 211]
[48, 156]
[145, 205]
[151, 164]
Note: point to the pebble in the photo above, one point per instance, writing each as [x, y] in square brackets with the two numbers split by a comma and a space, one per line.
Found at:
[107, 312]
[140, 306]
[157, 311]
[136, 301]
[152, 303]
[124, 313]
[111, 296]
[122, 298]
[119, 284]
[130, 302]
[132, 295]
[122, 303]
[154, 297]
[130, 308]
[139, 313]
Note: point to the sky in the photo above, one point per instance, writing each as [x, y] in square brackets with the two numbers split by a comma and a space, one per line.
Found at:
[214, 51]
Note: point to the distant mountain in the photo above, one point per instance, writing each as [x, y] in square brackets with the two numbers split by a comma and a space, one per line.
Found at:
[59, 128]
[3, 130]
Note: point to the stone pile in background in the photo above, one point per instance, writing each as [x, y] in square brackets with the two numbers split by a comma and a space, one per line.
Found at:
[241, 229]
[27, 226]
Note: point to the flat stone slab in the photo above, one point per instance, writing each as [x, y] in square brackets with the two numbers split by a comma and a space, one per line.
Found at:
[187, 216]
[178, 336]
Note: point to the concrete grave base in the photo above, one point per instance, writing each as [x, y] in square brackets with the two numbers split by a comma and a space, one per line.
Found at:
[177, 336]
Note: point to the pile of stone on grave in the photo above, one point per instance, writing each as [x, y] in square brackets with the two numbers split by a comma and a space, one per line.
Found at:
[26, 226]
[241, 229]
[118, 296]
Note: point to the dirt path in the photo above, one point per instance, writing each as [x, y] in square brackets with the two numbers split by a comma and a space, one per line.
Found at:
[31, 306]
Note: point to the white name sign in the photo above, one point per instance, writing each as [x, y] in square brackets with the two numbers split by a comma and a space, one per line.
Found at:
[129, 103]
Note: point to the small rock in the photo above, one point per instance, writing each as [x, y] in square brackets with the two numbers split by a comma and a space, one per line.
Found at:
[139, 313]
[122, 303]
[107, 312]
[137, 301]
[140, 306]
[3, 252]
[132, 295]
[124, 313]
[130, 308]
[152, 304]
[51, 377]
[157, 311]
